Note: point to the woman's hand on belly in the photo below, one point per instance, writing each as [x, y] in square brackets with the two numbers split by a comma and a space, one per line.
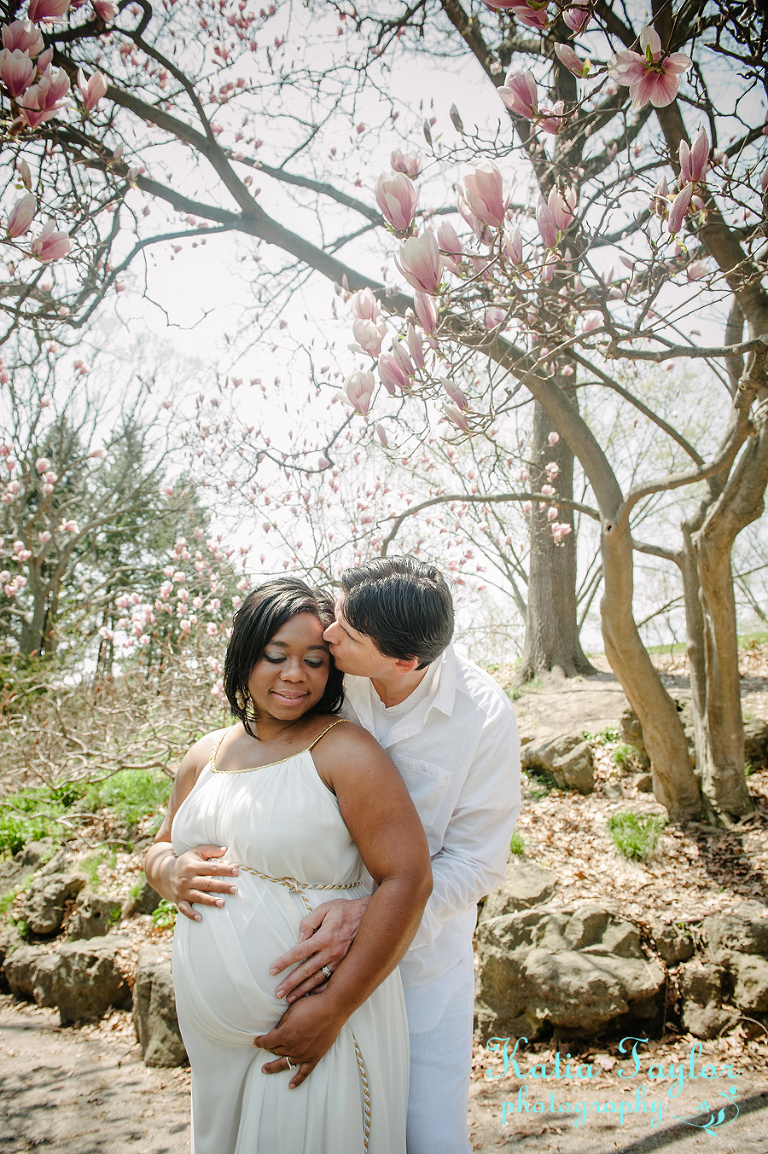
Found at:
[194, 876]
[306, 1031]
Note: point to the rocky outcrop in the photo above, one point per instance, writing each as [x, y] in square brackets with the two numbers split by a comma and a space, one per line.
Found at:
[526, 884]
[579, 969]
[53, 888]
[756, 742]
[144, 901]
[154, 1010]
[93, 916]
[82, 979]
[567, 760]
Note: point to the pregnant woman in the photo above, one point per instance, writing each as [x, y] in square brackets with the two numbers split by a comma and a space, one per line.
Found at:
[298, 805]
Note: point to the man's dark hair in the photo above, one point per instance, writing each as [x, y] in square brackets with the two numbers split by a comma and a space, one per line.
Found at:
[265, 610]
[402, 604]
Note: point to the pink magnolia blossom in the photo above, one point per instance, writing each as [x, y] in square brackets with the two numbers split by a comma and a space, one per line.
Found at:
[450, 246]
[553, 438]
[50, 245]
[426, 311]
[513, 246]
[402, 358]
[43, 100]
[552, 469]
[392, 374]
[659, 202]
[50, 477]
[560, 207]
[651, 76]
[415, 347]
[520, 94]
[572, 61]
[694, 161]
[577, 18]
[91, 90]
[527, 508]
[478, 226]
[21, 216]
[559, 531]
[548, 490]
[456, 417]
[457, 395]
[591, 322]
[483, 191]
[397, 197]
[47, 9]
[495, 318]
[42, 464]
[552, 513]
[364, 305]
[107, 634]
[552, 120]
[531, 17]
[104, 10]
[98, 454]
[545, 222]
[369, 336]
[69, 527]
[45, 536]
[697, 269]
[358, 390]
[17, 71]
[420, 263]
[44, 60]
[381, 433]
[407, 162]
[23, 34]
[679, 209]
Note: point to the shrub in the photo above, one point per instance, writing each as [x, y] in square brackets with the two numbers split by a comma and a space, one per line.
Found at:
[636, 835]
[624, 755]
[517, 845]
[164, 916]
[132, 793]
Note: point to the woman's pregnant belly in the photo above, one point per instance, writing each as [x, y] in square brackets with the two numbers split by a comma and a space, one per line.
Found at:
[221, 964]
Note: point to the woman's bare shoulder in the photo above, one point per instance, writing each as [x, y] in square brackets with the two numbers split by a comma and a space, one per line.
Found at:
[197, 757]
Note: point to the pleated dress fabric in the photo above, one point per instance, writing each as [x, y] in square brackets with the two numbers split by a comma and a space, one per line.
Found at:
[281, 821]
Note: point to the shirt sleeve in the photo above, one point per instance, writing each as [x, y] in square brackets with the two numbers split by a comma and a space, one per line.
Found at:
[473, 857]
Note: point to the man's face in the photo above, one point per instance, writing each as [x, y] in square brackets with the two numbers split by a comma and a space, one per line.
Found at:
[355, 652]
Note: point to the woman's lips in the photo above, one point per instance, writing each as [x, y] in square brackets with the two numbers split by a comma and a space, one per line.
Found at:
[289, 698]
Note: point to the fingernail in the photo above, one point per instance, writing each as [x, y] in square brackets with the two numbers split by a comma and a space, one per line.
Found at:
[220, 901]
[291, 998]
[233, 889]
[274, 970]
[198, 918]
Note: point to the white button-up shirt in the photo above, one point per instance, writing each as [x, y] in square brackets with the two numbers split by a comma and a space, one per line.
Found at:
[458, 752]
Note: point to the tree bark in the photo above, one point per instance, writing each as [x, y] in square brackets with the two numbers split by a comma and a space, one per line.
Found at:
[674, 782]
[551, 623]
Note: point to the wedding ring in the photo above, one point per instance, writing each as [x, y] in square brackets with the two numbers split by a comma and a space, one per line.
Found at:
[326, 970]
[291, 1065]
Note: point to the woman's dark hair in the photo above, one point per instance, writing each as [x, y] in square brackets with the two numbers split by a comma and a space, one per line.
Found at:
[265, 610]
[402, 604]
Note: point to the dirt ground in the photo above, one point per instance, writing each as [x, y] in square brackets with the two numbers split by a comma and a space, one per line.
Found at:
[85, 1090]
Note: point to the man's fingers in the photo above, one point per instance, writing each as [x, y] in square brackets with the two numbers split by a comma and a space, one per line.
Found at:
[296, 954]
[311, 922]
[275, 1067]
[280, 1065]
[305, 1069]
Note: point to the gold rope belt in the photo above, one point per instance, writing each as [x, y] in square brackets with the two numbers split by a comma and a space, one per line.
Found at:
[298, 887]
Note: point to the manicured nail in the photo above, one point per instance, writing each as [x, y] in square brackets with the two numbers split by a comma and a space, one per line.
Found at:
[220, 901]
[233, 889]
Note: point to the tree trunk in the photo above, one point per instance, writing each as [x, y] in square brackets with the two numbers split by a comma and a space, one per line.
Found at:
[32, 638]
[551, 622]
[674, 782]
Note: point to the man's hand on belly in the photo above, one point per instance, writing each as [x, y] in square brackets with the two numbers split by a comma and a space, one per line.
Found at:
[304, 1033]
[325, 938]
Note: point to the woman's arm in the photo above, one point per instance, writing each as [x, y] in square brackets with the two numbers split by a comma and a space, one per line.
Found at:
[382, 819]
[194, 876]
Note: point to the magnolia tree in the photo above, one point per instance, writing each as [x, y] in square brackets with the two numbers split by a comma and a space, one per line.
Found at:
[613, 217]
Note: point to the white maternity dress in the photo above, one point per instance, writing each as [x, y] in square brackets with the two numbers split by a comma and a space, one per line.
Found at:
[282, 822]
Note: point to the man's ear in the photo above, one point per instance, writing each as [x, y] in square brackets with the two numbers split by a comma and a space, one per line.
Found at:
[407, 664]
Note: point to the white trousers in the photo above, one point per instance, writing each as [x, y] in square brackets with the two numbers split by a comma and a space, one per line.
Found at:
[440, 1016]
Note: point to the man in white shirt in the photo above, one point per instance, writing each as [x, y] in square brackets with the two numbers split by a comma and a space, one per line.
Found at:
[451, 731]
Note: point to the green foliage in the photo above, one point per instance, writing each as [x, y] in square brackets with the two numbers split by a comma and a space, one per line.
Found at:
[624, 754]
[164, 917]
[636, 835]
[539, 783]
[7, 900]
[517, 691]
[16, 829]
[517, 845]
[610, 733]
[90, 867]
[749, 768]
[132, 793]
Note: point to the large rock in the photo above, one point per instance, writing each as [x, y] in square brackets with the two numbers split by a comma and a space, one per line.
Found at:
[577, 969]
[566, 759]
[526, 884]
[750, 991]
[93, 916]
[53, 887]
[145, 901]
[82, 979]
[154, 1010]
[756, 742]
[743, 930]
[674, 943]
[702, 984]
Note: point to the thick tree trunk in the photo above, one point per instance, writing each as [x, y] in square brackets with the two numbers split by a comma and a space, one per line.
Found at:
[32, 638]
[551, 624]
[674, 782]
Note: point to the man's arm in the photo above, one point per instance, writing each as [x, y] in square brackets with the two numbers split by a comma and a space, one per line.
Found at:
[469, 864]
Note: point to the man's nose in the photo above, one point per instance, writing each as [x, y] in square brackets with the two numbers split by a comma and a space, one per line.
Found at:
[331, 633]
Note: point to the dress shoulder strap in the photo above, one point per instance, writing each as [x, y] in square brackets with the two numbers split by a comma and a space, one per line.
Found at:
[212, 759]
[338, 721]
